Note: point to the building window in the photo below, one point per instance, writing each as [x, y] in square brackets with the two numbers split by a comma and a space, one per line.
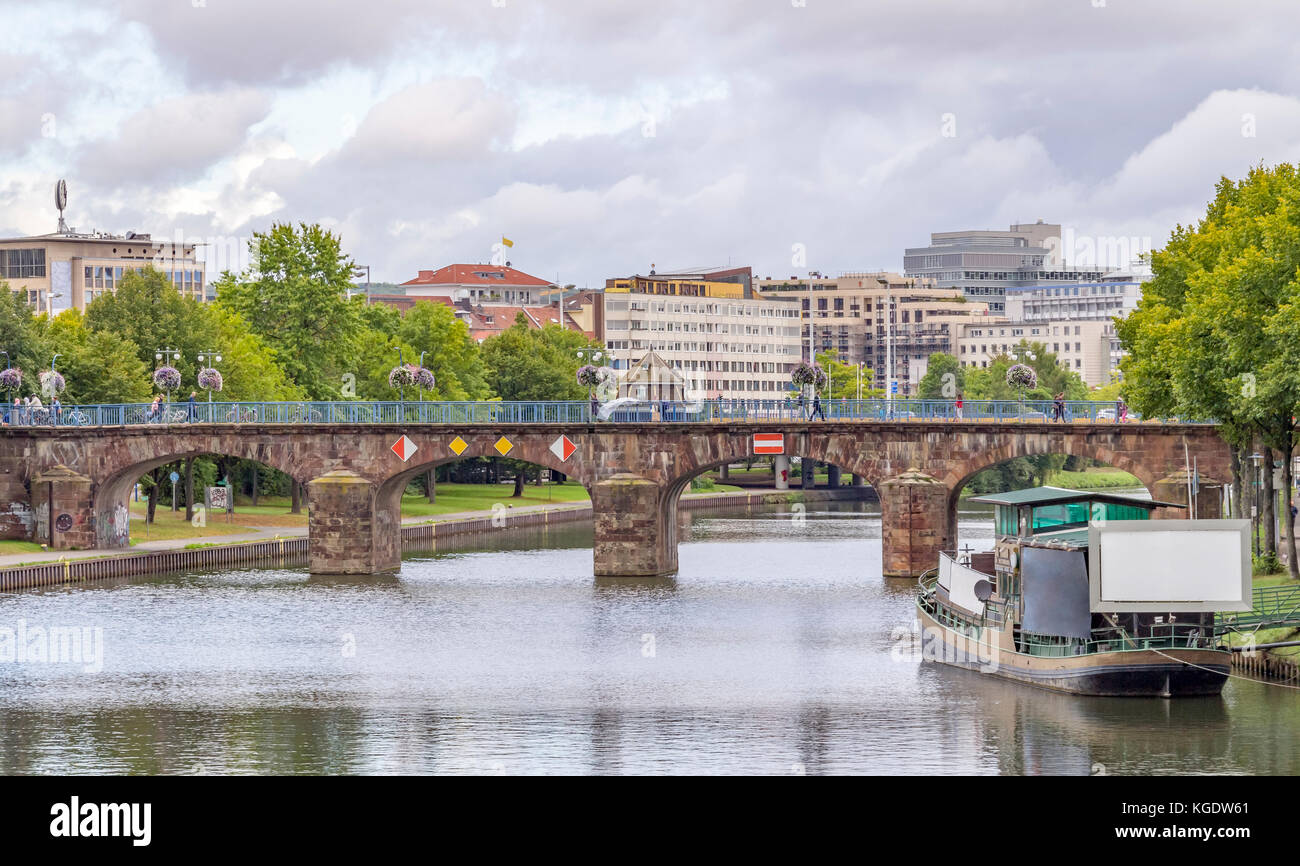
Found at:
[19, 263]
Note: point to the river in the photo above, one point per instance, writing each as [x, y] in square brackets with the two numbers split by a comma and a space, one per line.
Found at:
[777, 649]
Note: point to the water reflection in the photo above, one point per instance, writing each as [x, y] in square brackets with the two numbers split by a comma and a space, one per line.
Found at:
[773, 651]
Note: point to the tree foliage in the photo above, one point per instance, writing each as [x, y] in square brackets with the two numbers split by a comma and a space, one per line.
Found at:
[1217, 332]
[527, 363]
[294, 296]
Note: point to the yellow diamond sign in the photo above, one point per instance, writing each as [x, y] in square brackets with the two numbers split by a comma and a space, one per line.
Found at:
[457, 445]
[503, 446]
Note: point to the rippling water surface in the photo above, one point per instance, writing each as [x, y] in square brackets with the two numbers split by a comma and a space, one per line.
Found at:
[776, 649]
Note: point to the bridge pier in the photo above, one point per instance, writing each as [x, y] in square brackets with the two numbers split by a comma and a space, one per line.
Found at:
[635, 528]
[781, 472]
[347, 530]
[63, 509]
[1173, 488]
[914, 517]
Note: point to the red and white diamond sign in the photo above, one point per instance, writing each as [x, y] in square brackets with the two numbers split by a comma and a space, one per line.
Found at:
[563, 448]
[404, 448]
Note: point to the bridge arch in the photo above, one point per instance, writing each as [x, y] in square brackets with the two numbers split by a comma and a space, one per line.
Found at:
[111, 494]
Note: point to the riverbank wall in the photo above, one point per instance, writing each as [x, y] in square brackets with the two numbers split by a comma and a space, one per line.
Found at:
[420, 536]
[1266, 666]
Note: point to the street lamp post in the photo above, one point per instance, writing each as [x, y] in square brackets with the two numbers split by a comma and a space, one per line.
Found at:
[209, 359]
[590, 355]
[356, 272]
[1255, 460]
[161, 355]
[401, 389]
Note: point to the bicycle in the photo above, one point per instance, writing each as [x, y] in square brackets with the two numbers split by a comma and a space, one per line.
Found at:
[302, 413]
[77, 418]
[241, 416]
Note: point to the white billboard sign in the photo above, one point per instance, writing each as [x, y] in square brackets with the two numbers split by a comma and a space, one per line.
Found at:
[1169, 566]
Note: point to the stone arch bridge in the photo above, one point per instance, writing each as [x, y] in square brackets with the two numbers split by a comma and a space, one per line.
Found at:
[68, 486]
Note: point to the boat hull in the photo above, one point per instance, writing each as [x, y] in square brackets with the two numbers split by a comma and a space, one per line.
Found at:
[1134, 673]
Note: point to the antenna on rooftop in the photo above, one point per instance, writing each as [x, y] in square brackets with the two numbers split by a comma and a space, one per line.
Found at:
[61, 202]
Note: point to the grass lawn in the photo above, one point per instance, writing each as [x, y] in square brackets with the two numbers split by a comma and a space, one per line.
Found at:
[1094, 478]
[481, 497]
[16, 546]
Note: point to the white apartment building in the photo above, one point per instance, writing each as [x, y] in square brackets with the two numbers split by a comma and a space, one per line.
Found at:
[726, 347]
[1081, 346]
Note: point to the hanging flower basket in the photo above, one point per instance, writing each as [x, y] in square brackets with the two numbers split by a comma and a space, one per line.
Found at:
[588, 376]
[423, 378]
[805, 374]
[401, 376]
[167, 378]
[1022, 376]
[52, 382]
[11, 379]
[210, 379]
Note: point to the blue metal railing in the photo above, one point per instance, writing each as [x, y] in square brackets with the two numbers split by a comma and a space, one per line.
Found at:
[572, 412]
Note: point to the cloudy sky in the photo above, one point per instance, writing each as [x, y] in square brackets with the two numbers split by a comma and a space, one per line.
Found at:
[605, 136]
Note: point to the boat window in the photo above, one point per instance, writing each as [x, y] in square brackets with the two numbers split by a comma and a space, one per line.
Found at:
[1008, 520]
[1115, 511]
[1049, 517]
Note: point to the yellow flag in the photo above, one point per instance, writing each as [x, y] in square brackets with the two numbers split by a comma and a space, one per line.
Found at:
[506, 242]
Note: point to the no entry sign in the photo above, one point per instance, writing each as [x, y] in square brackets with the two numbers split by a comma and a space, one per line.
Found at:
[769, 443]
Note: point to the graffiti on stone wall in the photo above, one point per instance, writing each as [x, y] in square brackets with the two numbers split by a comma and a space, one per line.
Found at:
[114, 529]
[68, 453]
[20, 513]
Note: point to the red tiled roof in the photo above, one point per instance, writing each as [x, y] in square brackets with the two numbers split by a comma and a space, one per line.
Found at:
[503, 317]
[473, 275]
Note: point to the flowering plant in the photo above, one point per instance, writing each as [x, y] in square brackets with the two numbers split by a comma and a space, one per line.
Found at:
[401, 376]
[589, 376]
[11, 379]
[52, 382]
[1022, 376]
[423, 377]
[807, 374]
[210, 379]
[167, 378]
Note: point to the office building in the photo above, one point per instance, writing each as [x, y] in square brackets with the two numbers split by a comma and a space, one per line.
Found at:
[985, 264]
[69, 270]
[706, 324]
[848, 314]
[1083, 346]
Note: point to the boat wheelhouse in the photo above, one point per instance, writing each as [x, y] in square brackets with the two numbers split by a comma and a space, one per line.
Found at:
[1084, 593]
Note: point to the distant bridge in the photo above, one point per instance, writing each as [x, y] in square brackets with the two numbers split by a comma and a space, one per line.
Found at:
[68, 485]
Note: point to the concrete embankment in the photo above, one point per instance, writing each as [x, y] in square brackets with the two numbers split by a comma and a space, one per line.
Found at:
[419, 536]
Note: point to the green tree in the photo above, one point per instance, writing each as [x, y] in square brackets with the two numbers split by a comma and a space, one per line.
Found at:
[527, 363]
[250, 369]
[452, 354]
[944, 378]
[149, 312]
[294, 296]
[843, 377]
[98, 366]
[1215, 334]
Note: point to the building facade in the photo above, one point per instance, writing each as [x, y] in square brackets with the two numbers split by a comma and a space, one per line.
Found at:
[985, 264]
[861, 314]
[68, 270]
[480, 284]
[726, 341]
[1083, 346]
